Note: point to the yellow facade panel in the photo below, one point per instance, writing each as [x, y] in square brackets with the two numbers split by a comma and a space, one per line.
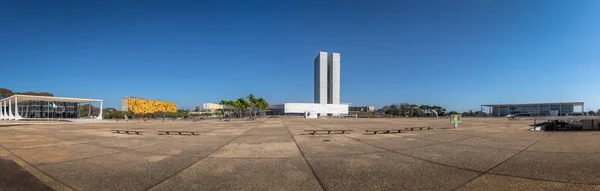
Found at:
[137, 105]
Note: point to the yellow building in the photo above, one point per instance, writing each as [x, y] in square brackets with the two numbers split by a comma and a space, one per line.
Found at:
[140, 105]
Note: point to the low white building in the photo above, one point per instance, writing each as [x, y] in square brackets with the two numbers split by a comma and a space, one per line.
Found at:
[314, 110]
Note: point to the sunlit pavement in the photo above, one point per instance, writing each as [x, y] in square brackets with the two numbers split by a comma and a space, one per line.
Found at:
[276, 154]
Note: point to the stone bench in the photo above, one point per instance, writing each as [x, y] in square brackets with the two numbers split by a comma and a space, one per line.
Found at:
[420, 128]
[127, 132]
[385, 131]
[176, 132]
[314, 131]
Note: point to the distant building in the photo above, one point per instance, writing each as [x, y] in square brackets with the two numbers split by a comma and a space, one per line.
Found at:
[327, 78]
[326, 91]
[32, 107]
[141, 105]
[363, 108]
[534, 109]
[209, 107]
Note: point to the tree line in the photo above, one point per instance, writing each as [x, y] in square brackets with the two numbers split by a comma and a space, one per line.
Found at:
[239, 106]
[413, 110]
[4, 92]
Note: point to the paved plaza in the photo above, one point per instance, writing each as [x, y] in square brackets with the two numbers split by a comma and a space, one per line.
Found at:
[276, 154]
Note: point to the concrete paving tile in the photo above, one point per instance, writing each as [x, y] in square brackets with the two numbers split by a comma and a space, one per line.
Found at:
[30, 141]
[386, 171]
[524, 135]
[15, 177]
[494, 142]
[44, 155]
[497, 182]
[126, 143]
[267, 138]
[244, 174]
[259, 150]
[571, 146]
[443, 136]
[397, 142]
[315, 146]
[123, 171]
[187, 148]
[463, 156]
[574, 168]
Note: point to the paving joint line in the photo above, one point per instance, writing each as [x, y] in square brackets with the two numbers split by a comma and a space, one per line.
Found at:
[490, 169]
[312, 170]
[44, 173]
[202, 158]
[537, 179]
[109, 154]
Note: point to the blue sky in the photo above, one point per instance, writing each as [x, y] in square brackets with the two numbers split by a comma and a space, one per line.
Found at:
[458, 54]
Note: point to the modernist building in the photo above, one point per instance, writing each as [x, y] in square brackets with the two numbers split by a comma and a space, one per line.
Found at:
[363, 108]
[326, 90]
[327, 78]
[29, 107]
[141, 105]
[533, 109]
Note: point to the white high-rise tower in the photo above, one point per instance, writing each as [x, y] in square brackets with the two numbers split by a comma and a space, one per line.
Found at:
[321, 78]
[327, 78]
[333, 78]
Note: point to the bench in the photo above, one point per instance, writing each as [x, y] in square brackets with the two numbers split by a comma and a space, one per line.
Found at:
[387, 131]
[420, 128]
[175, 132]
[314, 131]
[127, 132]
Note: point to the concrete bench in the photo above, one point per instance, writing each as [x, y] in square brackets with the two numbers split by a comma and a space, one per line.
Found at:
[386, 131]
[420, 128]
[127, 132]
[176, 132]
[314, 131]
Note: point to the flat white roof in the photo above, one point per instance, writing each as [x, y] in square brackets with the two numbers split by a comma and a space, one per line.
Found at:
[22, 98]
[567, 118]
[534, 104]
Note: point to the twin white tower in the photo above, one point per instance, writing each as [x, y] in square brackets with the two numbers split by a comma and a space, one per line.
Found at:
[327, 78]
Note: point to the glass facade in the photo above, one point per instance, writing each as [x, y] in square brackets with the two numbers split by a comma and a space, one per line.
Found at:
[42, 109]
[533, 109]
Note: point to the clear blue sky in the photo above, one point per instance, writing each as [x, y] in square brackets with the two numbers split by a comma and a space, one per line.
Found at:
[458, 54]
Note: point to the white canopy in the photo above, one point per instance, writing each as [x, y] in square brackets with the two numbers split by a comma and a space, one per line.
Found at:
[23, 98]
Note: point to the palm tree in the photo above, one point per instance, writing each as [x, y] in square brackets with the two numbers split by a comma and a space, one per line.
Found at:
[242, 105]
[227, 104]
[252, 101]
[261, 104]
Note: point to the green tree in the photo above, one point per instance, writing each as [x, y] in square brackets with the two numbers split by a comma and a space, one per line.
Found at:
[6, 92]
[242, 105]
[261, 104]
[252, 102]
[227, 105]
[108, 110]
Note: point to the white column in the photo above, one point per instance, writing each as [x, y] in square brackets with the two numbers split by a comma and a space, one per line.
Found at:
[1, 111]
[17, 115]
[4, 110]
[10, 115]
[100, 115]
